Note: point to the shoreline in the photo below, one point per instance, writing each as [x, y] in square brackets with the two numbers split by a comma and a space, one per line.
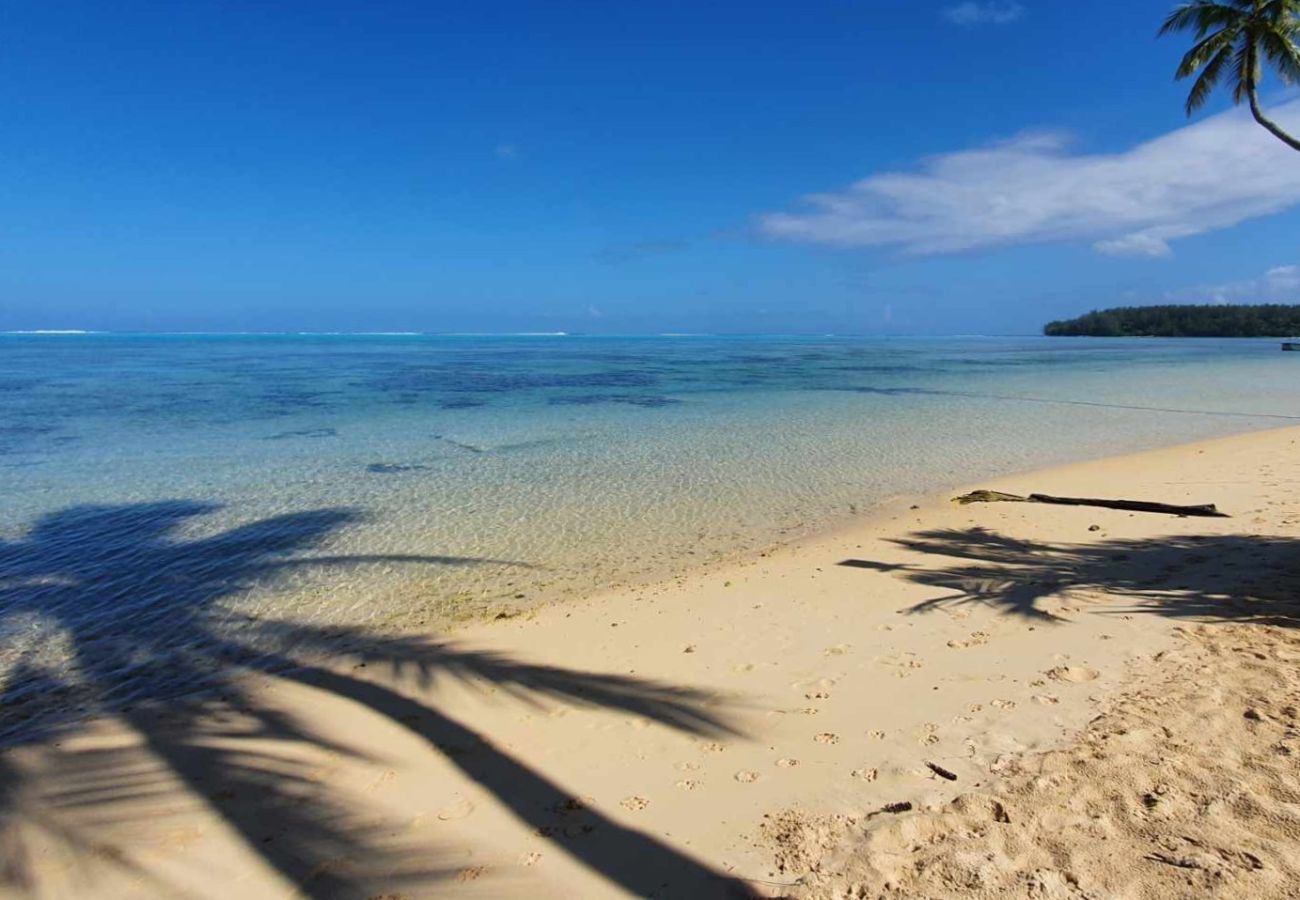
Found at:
[877, 514]
[634, 742]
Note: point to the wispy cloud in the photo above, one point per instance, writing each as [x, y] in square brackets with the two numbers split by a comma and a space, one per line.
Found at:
[505, 151]
[995, 12]
[1280, 284]
[1033, 189]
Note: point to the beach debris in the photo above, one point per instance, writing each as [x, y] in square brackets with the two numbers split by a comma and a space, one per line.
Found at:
[939, 770]
[1171, 509]
[900, 807]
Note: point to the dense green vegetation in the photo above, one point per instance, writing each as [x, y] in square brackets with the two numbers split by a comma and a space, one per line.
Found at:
[1267, 320]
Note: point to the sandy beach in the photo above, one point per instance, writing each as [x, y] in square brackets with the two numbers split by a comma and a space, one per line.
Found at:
[940, 700]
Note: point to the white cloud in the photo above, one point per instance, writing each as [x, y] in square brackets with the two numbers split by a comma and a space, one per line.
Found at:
[506, 151]
[1033, 189]
[1138, 244]
[1280, 284]
[995, 12]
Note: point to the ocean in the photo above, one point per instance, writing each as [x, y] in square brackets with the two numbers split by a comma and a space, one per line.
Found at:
[166, 494]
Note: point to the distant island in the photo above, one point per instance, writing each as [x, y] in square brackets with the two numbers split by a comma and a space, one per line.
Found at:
[1261, 320]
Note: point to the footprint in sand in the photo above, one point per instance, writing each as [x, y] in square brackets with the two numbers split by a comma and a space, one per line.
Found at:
[714, 747]
[787, 763]
[837, 650]
[876, 735]
[744, 776]
[817, 695]
[827, 737]
[976, 639]
[1046, 699]
[687, 766]
[1073, 674]
[689, 784]
[458, 810]
[530, 859]
[903, 664]
[1004, 704]
[865, 774]
[817, 684]
[634, 803]
[810, 710]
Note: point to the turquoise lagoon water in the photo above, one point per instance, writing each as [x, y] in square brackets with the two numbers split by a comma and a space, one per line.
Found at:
[153, 484]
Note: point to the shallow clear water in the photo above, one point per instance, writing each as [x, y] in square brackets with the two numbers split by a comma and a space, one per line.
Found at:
[218, 481]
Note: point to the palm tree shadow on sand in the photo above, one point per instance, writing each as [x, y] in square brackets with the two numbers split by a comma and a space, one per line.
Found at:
[143, 615]
[1249, 578]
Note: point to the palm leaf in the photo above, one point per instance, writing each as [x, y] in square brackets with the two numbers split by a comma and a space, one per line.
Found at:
[1245, 72]
[1201, 17]
[1283, 54]
[1208, 80]
[1195, 58]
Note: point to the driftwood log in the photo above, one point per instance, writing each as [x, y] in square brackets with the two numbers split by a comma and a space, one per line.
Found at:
[1170, 509]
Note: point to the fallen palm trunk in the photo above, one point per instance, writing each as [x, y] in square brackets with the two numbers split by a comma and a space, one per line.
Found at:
[1202, 509]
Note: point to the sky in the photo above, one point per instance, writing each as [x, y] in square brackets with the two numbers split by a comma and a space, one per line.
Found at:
[864, 166]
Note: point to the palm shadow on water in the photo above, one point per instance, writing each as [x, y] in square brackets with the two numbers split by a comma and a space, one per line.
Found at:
[1249, 578]
[144, 617]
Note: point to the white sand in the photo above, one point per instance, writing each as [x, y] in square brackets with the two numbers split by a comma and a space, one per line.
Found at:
[741, 729]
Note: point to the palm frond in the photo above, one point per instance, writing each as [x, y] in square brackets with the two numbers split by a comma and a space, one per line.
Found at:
[1201, 17]
[1203, 51]
[1208, 80]
[1283, 54]
[1279, 11]
[1245, 72]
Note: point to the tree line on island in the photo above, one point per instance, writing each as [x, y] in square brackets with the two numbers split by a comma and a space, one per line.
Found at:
[1260, 320]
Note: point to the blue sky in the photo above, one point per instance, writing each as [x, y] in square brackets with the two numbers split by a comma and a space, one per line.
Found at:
[621, 167]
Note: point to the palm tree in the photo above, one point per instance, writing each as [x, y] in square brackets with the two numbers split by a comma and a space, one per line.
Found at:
[1233, 38]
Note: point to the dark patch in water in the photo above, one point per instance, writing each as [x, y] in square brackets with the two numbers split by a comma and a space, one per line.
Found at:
[876, 369]
[642, 400]
[477, 379]
[895, 391]
[14, 437]
[395, 468]
[462, 404]
[304, 433]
